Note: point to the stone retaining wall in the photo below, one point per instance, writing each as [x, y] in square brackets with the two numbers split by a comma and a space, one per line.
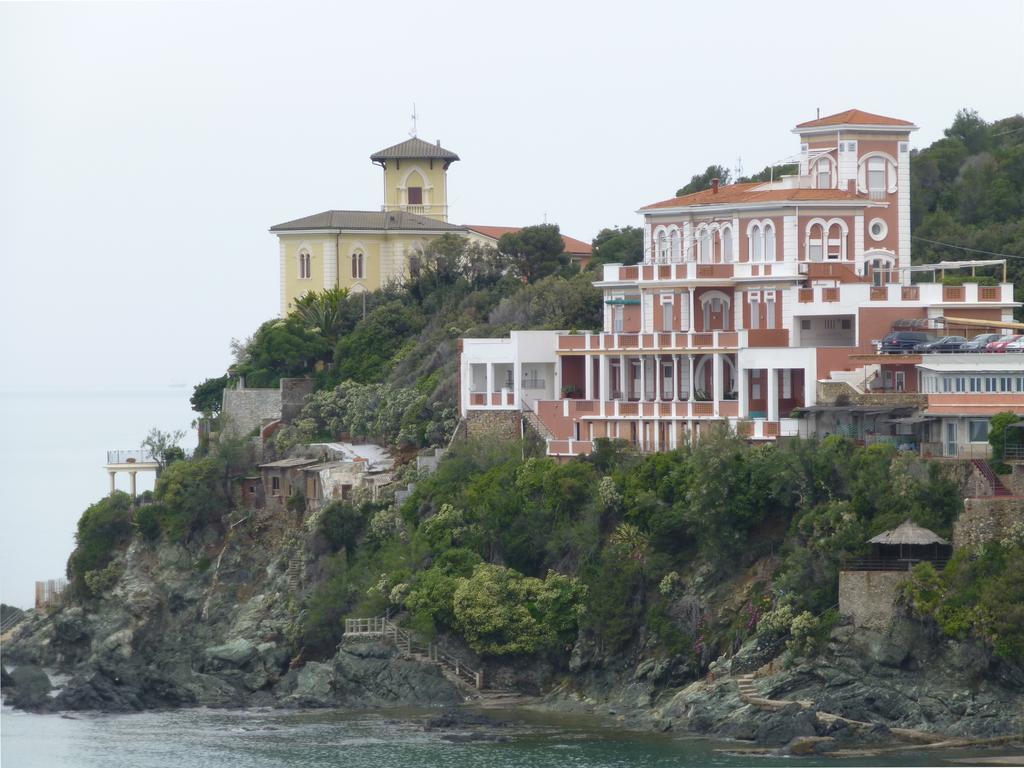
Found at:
[986, 520]
[868, 597]
[503, 424]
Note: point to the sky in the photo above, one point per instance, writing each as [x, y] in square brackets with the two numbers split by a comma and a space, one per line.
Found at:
[146, 148]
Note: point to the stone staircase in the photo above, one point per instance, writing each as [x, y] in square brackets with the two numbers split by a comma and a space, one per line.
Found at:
[533, 422]
[747, 688]
[294, 572]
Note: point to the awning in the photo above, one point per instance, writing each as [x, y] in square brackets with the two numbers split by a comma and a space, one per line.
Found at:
[620, 302]
[917, 418]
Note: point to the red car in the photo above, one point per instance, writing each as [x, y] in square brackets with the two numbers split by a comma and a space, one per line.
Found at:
[999, 345]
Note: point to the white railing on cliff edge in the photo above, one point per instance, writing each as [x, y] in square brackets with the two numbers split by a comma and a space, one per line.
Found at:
[382, 627]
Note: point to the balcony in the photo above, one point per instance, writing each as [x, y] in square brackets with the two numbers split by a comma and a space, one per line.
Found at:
[759, 429]
[505, 398]
[691, 271]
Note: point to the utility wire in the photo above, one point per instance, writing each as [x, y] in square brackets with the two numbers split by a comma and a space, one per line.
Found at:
[964, 248]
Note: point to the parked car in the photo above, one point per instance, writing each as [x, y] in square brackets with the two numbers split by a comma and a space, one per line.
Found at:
[999, 345]
[1015, 346]
[945, 344]
[900, 342]
[979, 342]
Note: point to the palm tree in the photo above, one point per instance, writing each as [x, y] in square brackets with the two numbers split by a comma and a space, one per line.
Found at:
[322, 311]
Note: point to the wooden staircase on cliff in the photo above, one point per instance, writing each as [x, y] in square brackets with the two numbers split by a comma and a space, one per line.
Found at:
[382, 628]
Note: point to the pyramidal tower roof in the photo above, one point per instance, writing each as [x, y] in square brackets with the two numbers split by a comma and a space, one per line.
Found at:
[415, 149]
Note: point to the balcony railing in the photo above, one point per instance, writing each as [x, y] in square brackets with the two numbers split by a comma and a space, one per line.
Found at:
[653, 342]
[888, 564]
[130, 457]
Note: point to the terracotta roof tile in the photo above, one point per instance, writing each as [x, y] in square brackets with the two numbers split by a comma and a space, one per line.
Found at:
[415, 149]
[572, 245]
[854, 117]
[748, 193]
[366, 220]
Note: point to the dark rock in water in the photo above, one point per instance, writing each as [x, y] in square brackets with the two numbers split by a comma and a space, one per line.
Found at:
[809, 745]
[788, 723]
[374, 674]
[31, 687]
[459, 738]
[455, 718]
[125, 690]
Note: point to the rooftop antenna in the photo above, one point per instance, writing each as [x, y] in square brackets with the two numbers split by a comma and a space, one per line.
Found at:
[739, 168]
[817, 113]
[545, 217]
[413, 131]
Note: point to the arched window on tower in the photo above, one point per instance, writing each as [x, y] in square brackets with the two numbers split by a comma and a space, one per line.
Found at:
[835, 249]
[305, 265]
[707, 247]
[756, 243]
[769, 241]
[662, 246]
[673, 244]
[358, 266]
[823, 172]
[727, 244]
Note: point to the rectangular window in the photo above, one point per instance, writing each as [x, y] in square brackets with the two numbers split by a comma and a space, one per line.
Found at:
[618, 318]
[845, 324]
[275, 486]
[666, 314]
[814, 250]
[975, 383]
[947, 383]
[960, 384]
[415, 195]
[1006, 384]
[805, 325]
[978, 429]
[787, 383]
[876, 174]
[990, 384]
[755, 314]
[769, 309]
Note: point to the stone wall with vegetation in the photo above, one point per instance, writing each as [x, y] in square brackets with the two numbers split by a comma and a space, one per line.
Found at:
[985, 520]
[244, 410]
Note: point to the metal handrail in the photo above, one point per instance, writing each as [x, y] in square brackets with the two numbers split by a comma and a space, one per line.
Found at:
[885, 564]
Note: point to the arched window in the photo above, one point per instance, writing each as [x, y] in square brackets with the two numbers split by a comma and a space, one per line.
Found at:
[835, 248]
[726, 244]
[769, 241]
[823, 172]
[816, 242]
[305, 266]
[707, 246]
[756, 243]
[358, 266]
[662, 246]
[673, 240]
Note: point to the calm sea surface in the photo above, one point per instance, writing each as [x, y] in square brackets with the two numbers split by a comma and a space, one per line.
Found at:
[51, 459]
[261, 739]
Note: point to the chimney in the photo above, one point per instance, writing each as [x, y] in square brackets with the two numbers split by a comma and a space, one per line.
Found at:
[851, 186]
[714, 186]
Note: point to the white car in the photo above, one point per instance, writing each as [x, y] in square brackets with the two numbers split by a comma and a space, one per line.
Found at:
[1016, 346]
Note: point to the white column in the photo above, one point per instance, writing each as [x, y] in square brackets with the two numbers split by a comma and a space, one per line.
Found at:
[741, 386]
[113, 475]
[588, 377]
[490, 382]
[623, 374]
[131, 476]
[517, 381]
[693, 319]
[603, 382]
[675, 379]
[643, 378]
[773, 394]
[716, 379]
[658, 379]
[690, 383]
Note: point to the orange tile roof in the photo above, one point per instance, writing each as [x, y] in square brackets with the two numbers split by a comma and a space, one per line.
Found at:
[854, 117]
[747, 193]
[571, 244]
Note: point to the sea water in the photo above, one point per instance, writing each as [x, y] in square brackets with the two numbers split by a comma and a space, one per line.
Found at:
[203, 738]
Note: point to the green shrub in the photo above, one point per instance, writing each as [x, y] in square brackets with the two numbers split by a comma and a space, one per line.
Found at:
[322, 624]
[103, 529]
[341, 523]
[192, 495]
[148, 519]
[101, 580]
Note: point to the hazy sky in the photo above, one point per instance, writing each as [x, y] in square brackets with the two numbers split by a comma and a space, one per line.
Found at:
[146, 148]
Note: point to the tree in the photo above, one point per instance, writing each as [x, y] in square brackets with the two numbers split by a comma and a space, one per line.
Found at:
[702, 181]
[282, 348]
[323, 312]
[208, 396]
[618, 246]
[534, 252]
[999, 438]
[193, 495]
[102, 529]
[770, 172]
[163, 447]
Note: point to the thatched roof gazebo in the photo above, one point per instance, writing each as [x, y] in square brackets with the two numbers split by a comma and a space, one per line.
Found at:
[907, 544]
